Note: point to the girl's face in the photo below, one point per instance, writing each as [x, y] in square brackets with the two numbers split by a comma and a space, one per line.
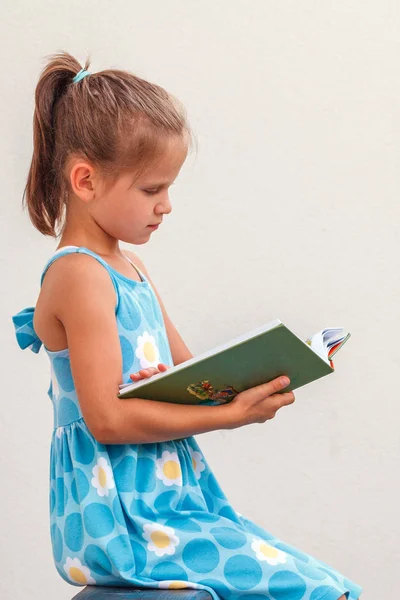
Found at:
[128, 211]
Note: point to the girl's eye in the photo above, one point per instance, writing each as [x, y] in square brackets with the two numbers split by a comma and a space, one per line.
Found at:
[154, 191]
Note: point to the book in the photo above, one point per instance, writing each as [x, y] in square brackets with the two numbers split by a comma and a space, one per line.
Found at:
[218, 375]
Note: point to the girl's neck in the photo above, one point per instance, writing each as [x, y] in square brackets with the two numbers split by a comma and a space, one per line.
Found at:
[93, 238]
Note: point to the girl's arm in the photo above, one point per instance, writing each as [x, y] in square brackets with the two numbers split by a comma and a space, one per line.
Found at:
[142, 421]
[84, 301]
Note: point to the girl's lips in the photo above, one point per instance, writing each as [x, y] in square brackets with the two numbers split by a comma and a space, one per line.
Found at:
[153, 226]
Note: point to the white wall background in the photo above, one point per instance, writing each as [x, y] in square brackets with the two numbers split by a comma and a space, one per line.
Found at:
[289, 210]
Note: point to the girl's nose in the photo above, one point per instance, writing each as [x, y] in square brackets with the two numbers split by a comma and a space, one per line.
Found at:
[165, 206]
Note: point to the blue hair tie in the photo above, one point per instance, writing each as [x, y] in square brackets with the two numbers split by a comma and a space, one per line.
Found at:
[82, 73]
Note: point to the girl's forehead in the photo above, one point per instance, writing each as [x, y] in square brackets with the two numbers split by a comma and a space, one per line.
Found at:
[168, 166]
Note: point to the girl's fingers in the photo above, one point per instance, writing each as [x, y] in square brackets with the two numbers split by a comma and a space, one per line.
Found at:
[143, 373]
[148, 372]
[138, 375]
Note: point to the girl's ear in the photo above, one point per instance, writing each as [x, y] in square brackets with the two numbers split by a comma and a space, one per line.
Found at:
[82, 179]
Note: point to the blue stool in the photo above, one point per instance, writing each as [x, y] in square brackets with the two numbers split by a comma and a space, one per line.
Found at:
[97, 592]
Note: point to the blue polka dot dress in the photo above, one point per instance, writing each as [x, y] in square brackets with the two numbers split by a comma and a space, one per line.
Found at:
[154, 515]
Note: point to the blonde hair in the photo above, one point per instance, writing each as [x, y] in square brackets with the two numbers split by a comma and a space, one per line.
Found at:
[117, 121]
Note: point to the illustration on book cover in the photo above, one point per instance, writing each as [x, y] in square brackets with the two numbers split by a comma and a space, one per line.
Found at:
[205, 391]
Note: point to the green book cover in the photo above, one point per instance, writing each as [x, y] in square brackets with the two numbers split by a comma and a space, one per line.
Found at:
[217, 375]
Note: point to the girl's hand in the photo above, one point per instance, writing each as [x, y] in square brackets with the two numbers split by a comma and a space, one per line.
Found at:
[259, 403]
[145, 373]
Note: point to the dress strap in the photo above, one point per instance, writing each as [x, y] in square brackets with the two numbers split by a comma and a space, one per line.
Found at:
[139, 272]
[81, 250]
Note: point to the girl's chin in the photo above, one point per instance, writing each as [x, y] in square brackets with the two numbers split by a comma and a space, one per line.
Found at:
[138, 238]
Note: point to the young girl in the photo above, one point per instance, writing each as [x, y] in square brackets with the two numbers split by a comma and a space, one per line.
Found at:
[133, 500]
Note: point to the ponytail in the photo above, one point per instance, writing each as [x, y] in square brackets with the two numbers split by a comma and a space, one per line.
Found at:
[42, 193]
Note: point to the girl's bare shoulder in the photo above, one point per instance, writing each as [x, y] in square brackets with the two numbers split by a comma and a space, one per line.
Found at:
[69, 278]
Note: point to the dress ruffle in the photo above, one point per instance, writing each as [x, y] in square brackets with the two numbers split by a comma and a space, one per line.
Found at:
[24, 331]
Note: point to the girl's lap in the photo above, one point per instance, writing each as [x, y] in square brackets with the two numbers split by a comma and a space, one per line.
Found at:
[327, 580]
